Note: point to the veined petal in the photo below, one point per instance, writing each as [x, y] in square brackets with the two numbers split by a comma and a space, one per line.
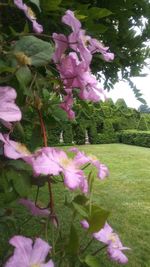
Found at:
[39, 251]
[71, 21]
[22, 253]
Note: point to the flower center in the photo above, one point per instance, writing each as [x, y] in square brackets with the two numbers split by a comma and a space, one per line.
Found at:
[35, 265]
[113, 237]
[92, 157]
[65, 162]
[22, 149]
[31, 13]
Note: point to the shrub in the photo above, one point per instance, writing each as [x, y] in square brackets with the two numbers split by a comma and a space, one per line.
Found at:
[67, 133]
[54, 136]
[79, 134]
[142, 125]
[92, 133]
[107, 138]
[138, 138]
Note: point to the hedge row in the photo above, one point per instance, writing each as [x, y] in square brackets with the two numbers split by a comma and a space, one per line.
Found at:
[133, 137]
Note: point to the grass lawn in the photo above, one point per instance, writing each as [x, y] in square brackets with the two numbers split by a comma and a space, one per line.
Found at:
[125, 193]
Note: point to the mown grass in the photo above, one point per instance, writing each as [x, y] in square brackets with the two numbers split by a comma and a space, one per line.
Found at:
[125, 193]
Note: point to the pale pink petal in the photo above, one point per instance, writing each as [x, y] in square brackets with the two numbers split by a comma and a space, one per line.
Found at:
[84, 224]
[22, 253]
[48, 264]
[117, 255]
[61, 44]
[39, 251]
[71, 21]
[9, 111]
[104, 234]
[35, 211]
[37, 27]
[12, 149]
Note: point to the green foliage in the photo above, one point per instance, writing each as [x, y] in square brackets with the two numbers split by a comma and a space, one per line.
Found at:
[137, 138]
[34, 48]
[53, 135]
[142, 126]
[79, 134]
[92, 261]
[67, 133]
[92, 133]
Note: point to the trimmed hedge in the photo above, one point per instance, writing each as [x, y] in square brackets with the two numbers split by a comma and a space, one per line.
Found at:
[67, 133]
[142, 124]
[107, 138]
[137, 138]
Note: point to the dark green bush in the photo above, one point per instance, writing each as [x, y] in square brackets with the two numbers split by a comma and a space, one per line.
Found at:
[107, 138]
[53, 136]
[92, 133]
[142, 126]
[138, 138]
[79, 134]
[67, 133]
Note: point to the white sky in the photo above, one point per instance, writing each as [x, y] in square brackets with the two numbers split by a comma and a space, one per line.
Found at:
[123, 90]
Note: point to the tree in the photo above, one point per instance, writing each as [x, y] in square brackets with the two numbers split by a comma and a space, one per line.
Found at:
[144, 109]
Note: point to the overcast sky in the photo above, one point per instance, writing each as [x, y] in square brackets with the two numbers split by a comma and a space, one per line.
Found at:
[123, 90]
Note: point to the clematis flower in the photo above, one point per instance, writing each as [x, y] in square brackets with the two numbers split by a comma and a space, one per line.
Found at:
[81, 158]
[96, 46]
[12, 149]
[9, 111]
[76, 74]
[35, 211]
[115, 247]
[27, 254]
[67, 106]
[82, 43]
[30, 15]
[61, 44]
[52, 161]
[70, 20]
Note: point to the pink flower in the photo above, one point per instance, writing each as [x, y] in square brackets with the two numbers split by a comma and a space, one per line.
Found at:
[28, 255]
[9, 111]
[82, 43]
[61, 44]
[70, 19]
[67, 106]
[52, 161]
[96, 46]
[76, 74]
[115, 247]
[30, 15]
[35, 211]
[12, 149]
[81, 158]
[84, 224]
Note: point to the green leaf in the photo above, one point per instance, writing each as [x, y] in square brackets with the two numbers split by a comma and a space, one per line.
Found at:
[24, 77]
[36, 138]
[80, 199]
[59, 114]
[98, 13]
[39, 51]
[19, 165]
[92, 261]
[20, 182]
[80, 209]
[50, 5]
[97, 218]
[37, 3]
[73, 244]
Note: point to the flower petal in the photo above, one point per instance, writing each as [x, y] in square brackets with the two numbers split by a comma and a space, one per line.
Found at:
[39, 252]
